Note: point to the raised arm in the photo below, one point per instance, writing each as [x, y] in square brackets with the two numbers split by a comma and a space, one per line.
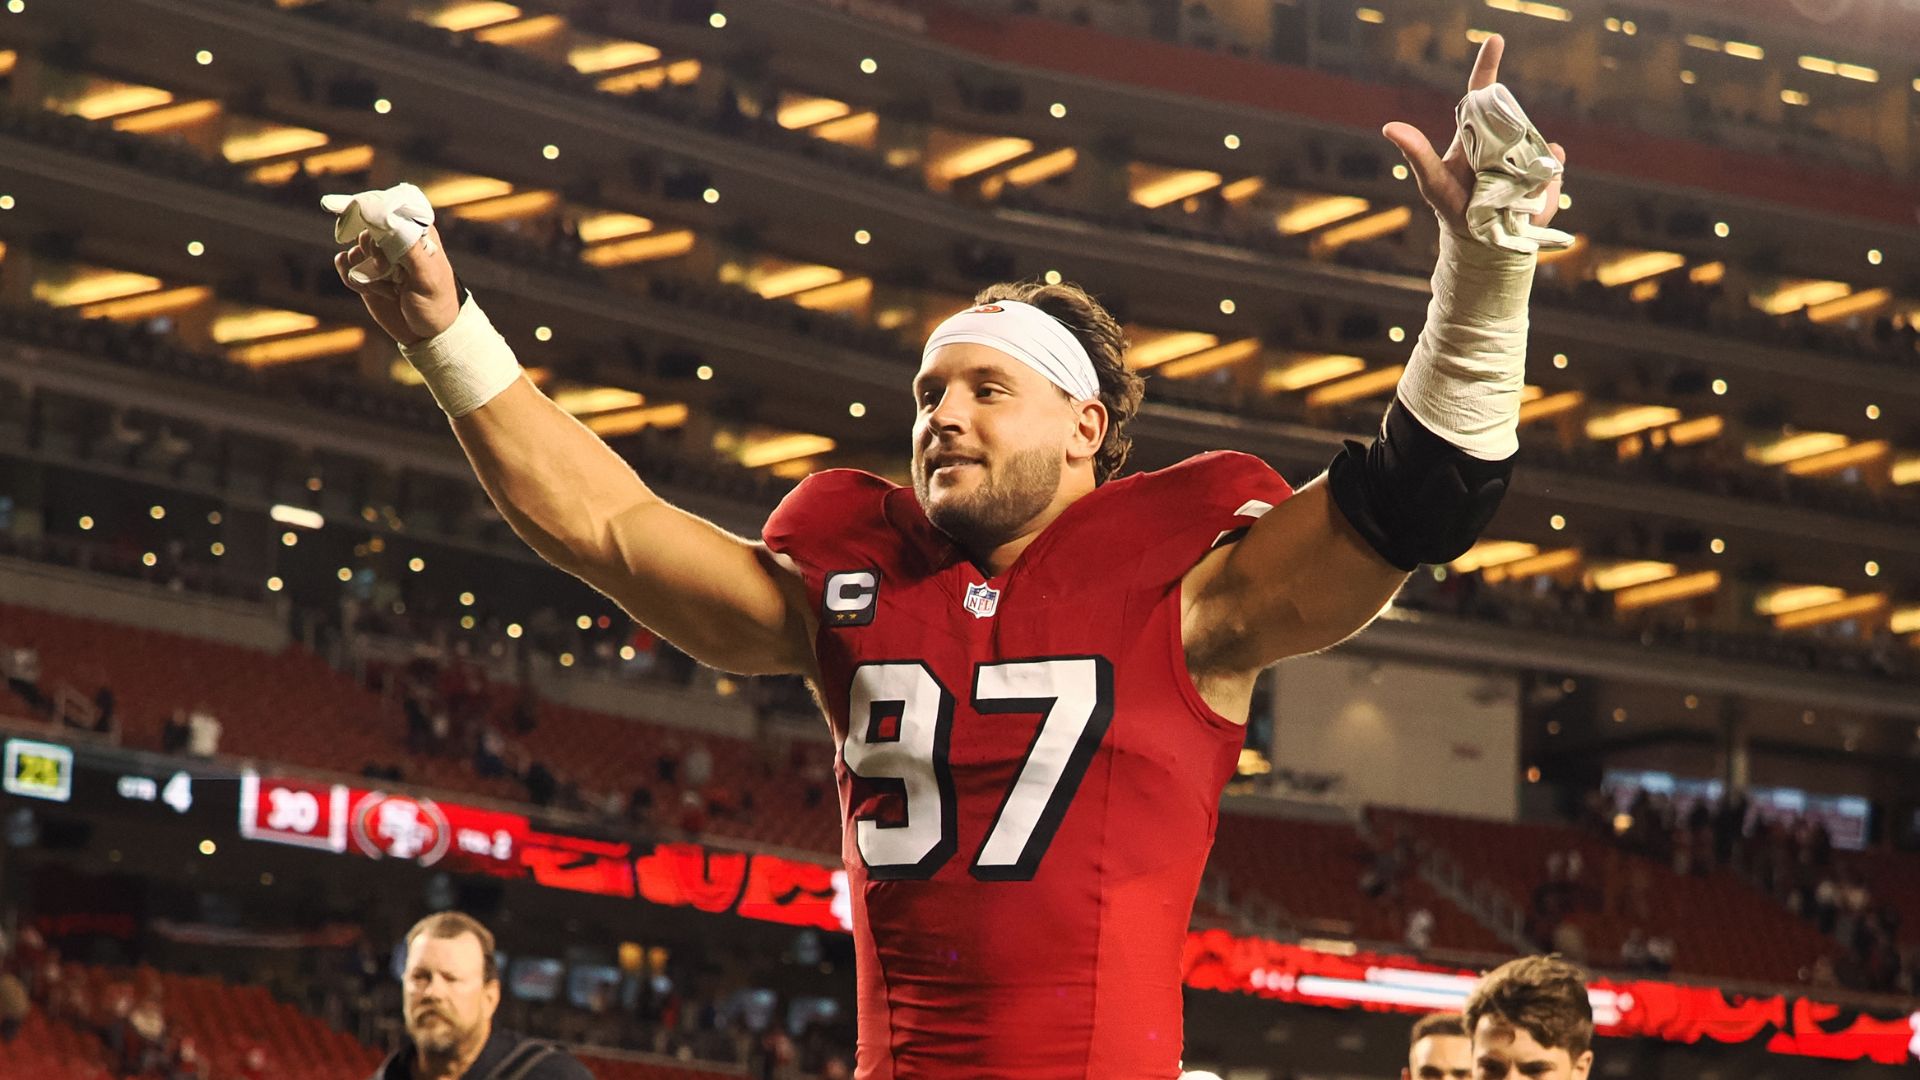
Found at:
[724, 600]
[1321, 565]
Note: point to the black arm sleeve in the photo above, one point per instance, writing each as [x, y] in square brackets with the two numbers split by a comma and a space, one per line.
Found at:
[1413, 496]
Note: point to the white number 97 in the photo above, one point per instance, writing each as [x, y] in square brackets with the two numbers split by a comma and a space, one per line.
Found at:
[1074, 696]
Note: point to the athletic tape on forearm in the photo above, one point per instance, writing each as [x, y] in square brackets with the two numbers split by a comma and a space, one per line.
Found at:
[466, 365]
[1467, 372]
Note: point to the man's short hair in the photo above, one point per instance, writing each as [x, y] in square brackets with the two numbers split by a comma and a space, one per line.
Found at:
[1440, 1023]
[1544, 996]
[1121, 388]
[453, 924]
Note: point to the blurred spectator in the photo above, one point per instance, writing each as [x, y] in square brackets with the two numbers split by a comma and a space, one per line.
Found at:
[175, 732]
[203, 732]
[23, 675]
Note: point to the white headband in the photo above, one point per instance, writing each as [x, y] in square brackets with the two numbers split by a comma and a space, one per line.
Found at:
[1030, 336]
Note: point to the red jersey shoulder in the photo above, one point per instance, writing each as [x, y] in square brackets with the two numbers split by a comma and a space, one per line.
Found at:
[825, 510]
[1155, 526]
[1206, 487]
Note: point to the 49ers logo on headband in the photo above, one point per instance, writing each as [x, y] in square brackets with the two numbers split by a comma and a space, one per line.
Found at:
[395, 826]
[988, 309]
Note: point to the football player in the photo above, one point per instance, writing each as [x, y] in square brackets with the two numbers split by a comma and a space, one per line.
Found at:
[1036, 670]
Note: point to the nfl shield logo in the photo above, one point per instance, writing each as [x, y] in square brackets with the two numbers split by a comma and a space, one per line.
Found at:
[981, 600]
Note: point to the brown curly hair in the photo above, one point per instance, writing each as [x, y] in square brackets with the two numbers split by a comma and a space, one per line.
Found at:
[1121, 388]
[1544, 996]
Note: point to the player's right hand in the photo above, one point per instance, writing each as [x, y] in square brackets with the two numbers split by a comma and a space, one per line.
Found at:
[416, 302]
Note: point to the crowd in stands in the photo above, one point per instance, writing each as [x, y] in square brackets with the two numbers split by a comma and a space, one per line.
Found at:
[1789, 857]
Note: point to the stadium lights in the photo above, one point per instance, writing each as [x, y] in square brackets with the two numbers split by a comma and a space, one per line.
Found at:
[710, 196]
[16, 6]
[6, 202]
[862, 237]
[1722, 230]
[1795, 97]
[297, 516]
[149, 559]
[514, 631]
[1720, 387]
[1227, 306]
[1396, 334]
[1688, 78]
[1717, 546]
[217, 548]
[157, 512]
[717, 21]
[1873, 256]
[466, 599]
[274, 584]
[196, 249]
[1051, 277]
[345, 574]
[1872, 568]
[1370, 15]
[1057, 110]
[416, 564]
[383, 106]
[1873, 412]
[550, 152]
[704, 373]
[868, 65]
[1400, 172]
[86, 522]
[203, 57]
[543, 333]
[1529, 7]
[1557, 522]
[856, 410]
[1231, 141]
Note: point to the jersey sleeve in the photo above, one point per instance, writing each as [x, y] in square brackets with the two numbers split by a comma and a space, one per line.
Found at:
[822, 520]
[1207, 501]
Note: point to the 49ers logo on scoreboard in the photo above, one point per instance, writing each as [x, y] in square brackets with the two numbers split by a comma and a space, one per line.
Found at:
[400, 827]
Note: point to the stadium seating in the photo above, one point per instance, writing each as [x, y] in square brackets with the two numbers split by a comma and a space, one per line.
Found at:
[1312, 871]
[291, 707]
[49, 1049]
[1724, 927]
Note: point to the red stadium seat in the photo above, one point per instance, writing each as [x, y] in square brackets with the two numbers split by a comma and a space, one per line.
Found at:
[1312, 871]
[1723, 927]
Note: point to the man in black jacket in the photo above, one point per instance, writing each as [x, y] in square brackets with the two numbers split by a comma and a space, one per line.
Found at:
[451, 989]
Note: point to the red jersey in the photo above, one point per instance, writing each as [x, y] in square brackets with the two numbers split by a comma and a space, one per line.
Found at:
[1028, 779]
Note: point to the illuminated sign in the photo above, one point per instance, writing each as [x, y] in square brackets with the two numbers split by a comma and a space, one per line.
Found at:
[1783, 1023]
[374, 824]
[38, 770]
[178, 792]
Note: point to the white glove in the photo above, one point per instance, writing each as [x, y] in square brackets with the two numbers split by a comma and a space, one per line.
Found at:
[397, 217]
[1512, 168]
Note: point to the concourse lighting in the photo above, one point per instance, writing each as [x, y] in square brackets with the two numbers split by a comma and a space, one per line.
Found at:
[297, 516]
[1370, 384]
[1630, 419]
[1671, 590]
[1206, 360]
[1489, 553]
[1621, 575]
[1311, 371]
[1852, 607]
[1152, 351]
[1786, 599]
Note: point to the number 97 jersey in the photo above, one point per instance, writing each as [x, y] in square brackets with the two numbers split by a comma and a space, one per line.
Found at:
[1028, 779]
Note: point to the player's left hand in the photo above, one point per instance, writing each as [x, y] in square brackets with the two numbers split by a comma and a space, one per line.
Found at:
[1446, 181]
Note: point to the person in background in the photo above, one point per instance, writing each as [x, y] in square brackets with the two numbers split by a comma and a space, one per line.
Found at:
[1530, 1019]
[450, 990]
[1439, 1049]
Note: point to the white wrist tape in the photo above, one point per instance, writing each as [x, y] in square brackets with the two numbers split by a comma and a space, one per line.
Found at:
[466, 365]
[1467, 372]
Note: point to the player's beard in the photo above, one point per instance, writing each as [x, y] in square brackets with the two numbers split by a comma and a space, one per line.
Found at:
[441, 1041]
[1001, 505]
